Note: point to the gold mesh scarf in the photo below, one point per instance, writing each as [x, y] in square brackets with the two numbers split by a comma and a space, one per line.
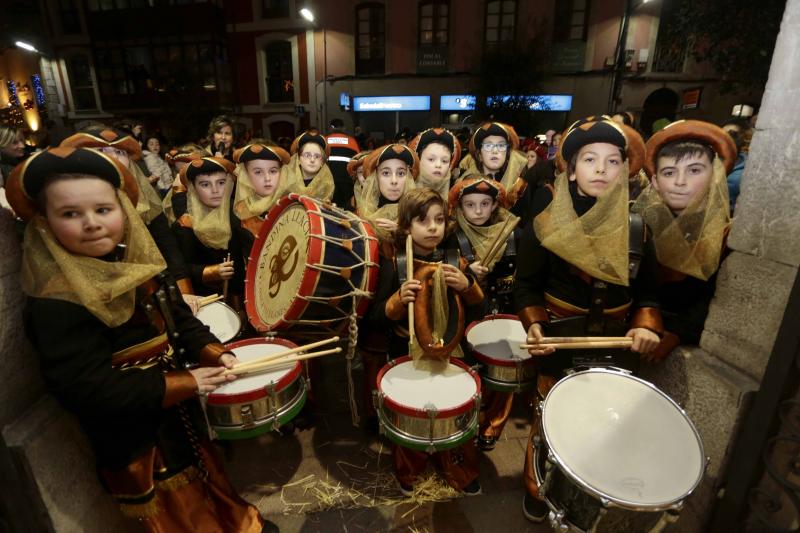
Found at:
[690, 242]
[321, 187]
[442, 186]
[149, 204]
[247, 202]
[212, 226]
[440, 311]
[367, 199]
[166, 204]
[597, 242]
[482, 237]
[107, 289]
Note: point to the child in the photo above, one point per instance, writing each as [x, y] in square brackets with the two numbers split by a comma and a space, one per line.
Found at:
[686, 208]
[576, 273]
[355, 168]
[391, 172]
[421, 215]
[157, 166]
[439, 152]
[174, 203]
[258, 187]
[494, 151]
[484, 223]
[125, 149]
[307, 173]
[220, 137]
[102, 317]
[212, 250]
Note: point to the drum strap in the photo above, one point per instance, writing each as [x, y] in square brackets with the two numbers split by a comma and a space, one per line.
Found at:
[635, 244]
[511, 245]
[465, 246]
[449, 256]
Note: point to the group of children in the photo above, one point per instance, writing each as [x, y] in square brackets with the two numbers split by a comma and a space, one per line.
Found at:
[113, 273]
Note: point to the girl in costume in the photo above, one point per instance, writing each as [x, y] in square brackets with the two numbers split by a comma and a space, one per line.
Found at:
[686, 209]
[439, 152]
[104, 316]
[391, 172]
[585, 266]
[307, 173]
[174, 202]
[205, 233]
[258, 187]
[483, 223]
[494, 153]
[157, 166]
[355, 168]
[421, 214]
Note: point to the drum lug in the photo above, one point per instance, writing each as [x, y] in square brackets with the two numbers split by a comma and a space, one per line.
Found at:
[377, 402]
[246, 413]
[431, 411]
[548, 477]
[556, 519]
[273, 396]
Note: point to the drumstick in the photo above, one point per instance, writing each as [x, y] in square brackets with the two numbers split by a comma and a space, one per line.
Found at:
[284, 353]
[225, 283]
[409, 276]
[562, 340]
[202, 302]
[237, 370]
[501, 238]
[579, 345]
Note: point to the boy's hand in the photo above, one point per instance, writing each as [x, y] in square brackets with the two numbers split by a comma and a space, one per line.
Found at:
[644, 340]
[228, 360]
[226, 270]
[478, 270]
[535, 336]
[408, 291]
[208, 378]
[454, 278]
[385, 223]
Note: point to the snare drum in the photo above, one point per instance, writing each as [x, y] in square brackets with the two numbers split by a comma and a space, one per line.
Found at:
[614, 452]
[221, 319]
[257, 403]
[428, 411]
[311, 267]
[495, 343]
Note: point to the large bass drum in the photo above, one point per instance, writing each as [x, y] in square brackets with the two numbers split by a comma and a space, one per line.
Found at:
[311, 269]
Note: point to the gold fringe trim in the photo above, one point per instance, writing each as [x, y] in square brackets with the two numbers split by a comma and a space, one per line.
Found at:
[181, 479]
[141, 510]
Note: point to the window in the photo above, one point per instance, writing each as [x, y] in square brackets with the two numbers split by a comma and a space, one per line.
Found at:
[280, 82]
[80, 76]
[433, 23]
[370, 39]
[571, 20]
[274, 9]
[501, 16]
[70, 19]
[670, 53]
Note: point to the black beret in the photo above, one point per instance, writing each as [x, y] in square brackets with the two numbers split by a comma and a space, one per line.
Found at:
[392, 151]
[205, 165]
[477, 185]
[261, 151]
[441, 136]
[492, 128]
[29, 177]
[310, 136]
[591, 130]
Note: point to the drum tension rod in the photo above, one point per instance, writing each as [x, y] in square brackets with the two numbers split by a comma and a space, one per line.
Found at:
[431, 410]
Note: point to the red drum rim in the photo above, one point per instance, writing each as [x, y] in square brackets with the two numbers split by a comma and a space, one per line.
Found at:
[316, 250]
[285, 381]
[488, 359]
[421, 413]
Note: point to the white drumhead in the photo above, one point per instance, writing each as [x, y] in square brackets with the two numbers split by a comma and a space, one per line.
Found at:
[623, 438]
[415, 388]
[221, 319]
[262, 379]
[499, 338]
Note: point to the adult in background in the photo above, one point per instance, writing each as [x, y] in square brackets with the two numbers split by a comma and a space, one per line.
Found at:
[12, 150]
[740, 131]
[343, 147]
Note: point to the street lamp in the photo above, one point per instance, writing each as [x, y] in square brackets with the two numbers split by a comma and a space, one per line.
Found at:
[309, 16]
[26, 46]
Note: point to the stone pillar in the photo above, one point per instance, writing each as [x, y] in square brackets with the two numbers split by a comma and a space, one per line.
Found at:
[715, 381]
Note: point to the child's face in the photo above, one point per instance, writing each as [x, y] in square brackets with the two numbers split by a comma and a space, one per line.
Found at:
[435, 161]
[85, 215]
[264, 175]
[597, 166]
[223, 135]
[116, 153]
[427, 232]
[478, 208]
[153, 145]
[211, 188]
[679, 182]
[532, 157]
[311, 158]
[392, 175]
[494, 149]
[360, 174]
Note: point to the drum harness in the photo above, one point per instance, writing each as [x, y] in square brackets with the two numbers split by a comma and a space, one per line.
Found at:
[468, 253]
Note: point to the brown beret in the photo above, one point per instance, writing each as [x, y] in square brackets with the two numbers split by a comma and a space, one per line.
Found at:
[601, 129]
[691, 130]
[261, 151]
[479, 185]
[492, 128]
[102, 137]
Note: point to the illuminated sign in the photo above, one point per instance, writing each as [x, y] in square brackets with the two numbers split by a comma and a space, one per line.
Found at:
[541, 102]
[392, 103]
[457, 102]
[344, 101]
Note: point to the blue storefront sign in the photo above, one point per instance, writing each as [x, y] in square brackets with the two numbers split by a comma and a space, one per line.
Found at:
[391, 103]
[541, 102]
